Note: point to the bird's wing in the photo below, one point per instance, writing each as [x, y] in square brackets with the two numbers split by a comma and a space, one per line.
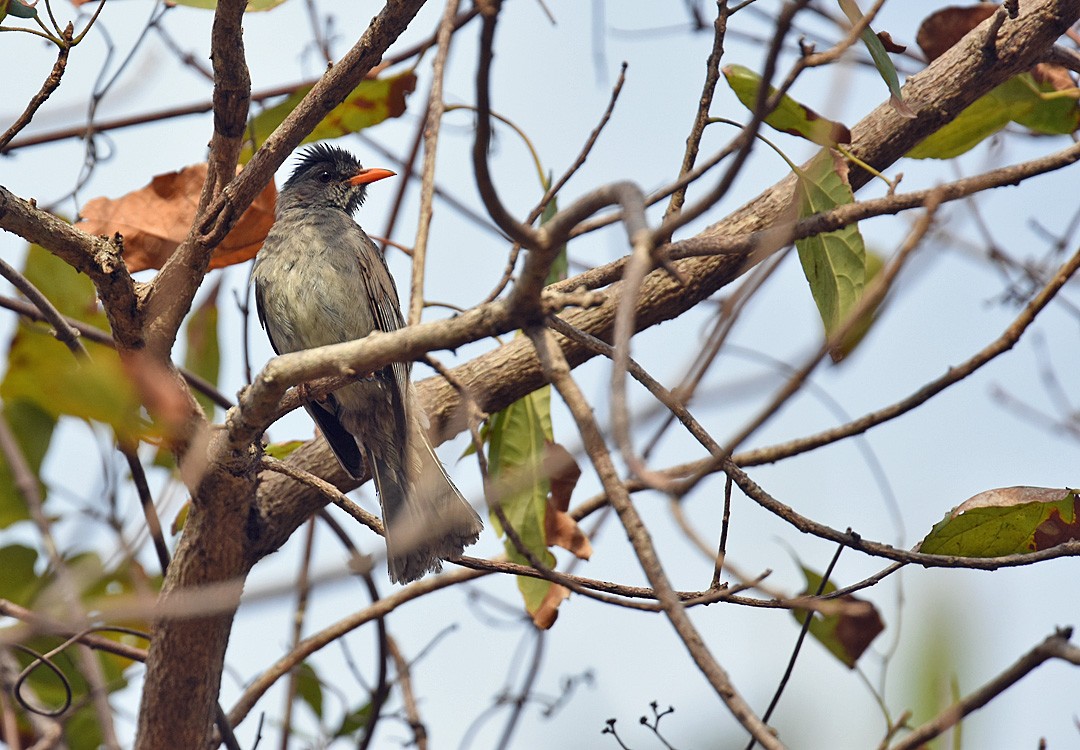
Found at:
[382, 297]
[261, 310]
[340, 440]
[386, 313]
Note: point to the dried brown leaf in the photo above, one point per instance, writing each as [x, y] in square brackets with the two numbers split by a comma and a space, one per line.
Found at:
[944, 28]
[560, 529]
[890, 45]
[155, 219]
[548, 611]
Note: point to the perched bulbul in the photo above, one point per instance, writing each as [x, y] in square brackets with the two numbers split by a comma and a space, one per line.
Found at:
[319, 280]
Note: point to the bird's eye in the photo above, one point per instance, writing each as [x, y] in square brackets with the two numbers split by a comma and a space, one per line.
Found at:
[325, 176]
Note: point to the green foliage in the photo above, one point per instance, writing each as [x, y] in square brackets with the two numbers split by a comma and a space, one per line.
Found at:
[861, 327]
[44, 380]
[95, 586]
[1020, 100]
[517, 439]
[994, 531]
[789, 116]
[354, 721]
[17, 8]
[33, 429]
[848, 631]
[309, 688]
[879, 55]
[373, 101]
[282, 450]
[18, 581]
[203, 351]
[834, 262]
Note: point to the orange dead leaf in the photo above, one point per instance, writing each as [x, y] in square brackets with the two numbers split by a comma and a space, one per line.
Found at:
[562, 530]
[155, 219]
[559, 528]
[548, 611]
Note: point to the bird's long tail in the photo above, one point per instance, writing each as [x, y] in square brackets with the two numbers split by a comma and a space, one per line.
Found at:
[426, 517]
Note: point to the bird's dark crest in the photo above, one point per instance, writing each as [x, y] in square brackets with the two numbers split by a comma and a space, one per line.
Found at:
[325, 156]
[340, 165]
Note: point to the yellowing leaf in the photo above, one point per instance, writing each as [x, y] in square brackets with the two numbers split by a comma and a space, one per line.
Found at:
[789, 116]
[1008, 521]
[280, 451]
[373, 101]
[834, 262]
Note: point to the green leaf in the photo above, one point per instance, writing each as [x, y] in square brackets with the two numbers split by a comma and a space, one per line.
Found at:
[848, 631]
[789, 116]
[858, 331]
[203, 352]
[560, 268]
[17, 576]
[1008, 526]
[373, 101]
[33, 429]
[252, 6]
[309, 688]
[517, 442]
[17, 8]
[1020, 100]
[281, 451]
[834, 262]
[43, 372]
[95, 585]
[354, 721]
[1048, 111]
[879, 55]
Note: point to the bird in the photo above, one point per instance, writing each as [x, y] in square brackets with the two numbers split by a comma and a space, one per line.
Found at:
[319, 280]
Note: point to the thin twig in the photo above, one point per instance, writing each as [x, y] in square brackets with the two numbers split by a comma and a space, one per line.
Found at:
[1055, 646]
[435, 108]
[557, 371]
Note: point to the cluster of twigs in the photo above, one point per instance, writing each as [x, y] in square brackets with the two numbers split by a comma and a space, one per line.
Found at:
[245, 506]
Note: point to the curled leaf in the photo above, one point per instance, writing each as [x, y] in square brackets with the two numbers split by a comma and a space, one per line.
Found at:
[790, 116]
[545, 614]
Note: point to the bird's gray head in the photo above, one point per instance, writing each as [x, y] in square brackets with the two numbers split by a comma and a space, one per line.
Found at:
[328, 176]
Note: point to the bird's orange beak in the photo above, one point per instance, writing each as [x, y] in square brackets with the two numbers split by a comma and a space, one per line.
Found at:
[364, 176]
